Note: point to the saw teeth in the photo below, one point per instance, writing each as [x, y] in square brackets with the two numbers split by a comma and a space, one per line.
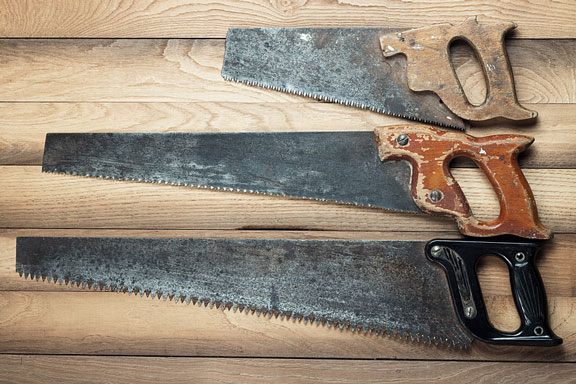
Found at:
[235, 190]
[247, 309]
[337, 101]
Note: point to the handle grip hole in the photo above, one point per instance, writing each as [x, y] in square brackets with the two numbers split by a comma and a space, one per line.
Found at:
[469, 71]
[480, 194]
[494, 278]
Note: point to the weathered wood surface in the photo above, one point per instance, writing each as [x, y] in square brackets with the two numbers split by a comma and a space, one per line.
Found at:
[23, 126]
[174, 84]
[33, 199]
[209, 18]
[187, 70]
[125, 370]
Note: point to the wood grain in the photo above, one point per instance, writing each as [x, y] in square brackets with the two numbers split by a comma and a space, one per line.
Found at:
[209, 18]
[23, 126]
[556, 261]
[118, 324]
[189, 71]
[118, 369]
[32, 199]
[174, 84]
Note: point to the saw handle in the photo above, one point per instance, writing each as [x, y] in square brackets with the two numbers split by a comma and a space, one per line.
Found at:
[429, 67]
[458, 258]
[435, 190]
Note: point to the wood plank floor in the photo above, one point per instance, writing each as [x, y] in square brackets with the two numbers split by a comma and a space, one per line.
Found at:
[154, 66]
[79, 369]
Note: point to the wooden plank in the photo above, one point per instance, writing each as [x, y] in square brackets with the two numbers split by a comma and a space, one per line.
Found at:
[189, 71]
[119, 324]
[209, 18]
[125, 370]
[556, 261]
[23, 126]
[32, 199]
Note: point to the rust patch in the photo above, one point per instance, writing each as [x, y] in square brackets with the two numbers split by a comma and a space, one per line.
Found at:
[435, 191]
[430, 69]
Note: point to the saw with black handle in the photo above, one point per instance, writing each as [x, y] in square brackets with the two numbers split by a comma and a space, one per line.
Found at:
[383, 287]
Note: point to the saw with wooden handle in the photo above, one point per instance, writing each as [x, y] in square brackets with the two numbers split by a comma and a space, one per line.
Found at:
[400, 168]
[404, 73]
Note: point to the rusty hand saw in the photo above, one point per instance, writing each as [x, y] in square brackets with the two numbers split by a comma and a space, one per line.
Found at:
[405, 73]
[383, 287]
[376, 286]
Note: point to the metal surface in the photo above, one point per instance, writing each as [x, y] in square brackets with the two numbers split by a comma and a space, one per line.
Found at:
[386, 287]
[341, 65]
[335, 166]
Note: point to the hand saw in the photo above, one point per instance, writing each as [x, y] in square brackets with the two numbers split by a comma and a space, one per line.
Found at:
[383, 287]
[359, 168]
[362, 68]
[380, 286]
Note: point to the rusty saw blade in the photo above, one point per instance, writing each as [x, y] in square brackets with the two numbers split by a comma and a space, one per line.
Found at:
[340, 65]
[384, 287]
[336, 166]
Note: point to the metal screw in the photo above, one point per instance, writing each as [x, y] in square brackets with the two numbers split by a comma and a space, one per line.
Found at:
[538, 330]
[520, 257]
[436, 196]
[435, 250]
[470, 312]
[403, 140]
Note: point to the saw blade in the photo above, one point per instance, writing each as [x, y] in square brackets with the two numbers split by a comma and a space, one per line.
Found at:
[340, 65]
[335, 166]
[384, 287]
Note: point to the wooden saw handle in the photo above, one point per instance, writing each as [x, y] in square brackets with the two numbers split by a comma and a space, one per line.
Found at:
[435, 190]
[429, 67]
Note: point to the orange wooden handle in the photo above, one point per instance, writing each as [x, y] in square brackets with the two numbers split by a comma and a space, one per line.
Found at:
[435, 190]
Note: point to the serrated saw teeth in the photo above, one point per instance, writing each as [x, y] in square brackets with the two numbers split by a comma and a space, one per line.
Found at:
[224, 189]
[347, 103]
[242, 308]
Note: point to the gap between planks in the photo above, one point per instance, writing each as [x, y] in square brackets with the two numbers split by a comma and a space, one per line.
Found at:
[209, 18]
[23, 126]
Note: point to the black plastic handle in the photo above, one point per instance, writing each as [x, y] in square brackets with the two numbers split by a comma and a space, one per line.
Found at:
[458, 258]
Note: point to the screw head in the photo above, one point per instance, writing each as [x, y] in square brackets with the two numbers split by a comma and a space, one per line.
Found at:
[470, 312]
[435, 250]
[520, 257]
[403, 140]
[538, 330]
[436, 196]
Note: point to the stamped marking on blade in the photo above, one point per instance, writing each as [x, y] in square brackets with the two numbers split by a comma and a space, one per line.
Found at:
[340, 65]
[385, 287]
